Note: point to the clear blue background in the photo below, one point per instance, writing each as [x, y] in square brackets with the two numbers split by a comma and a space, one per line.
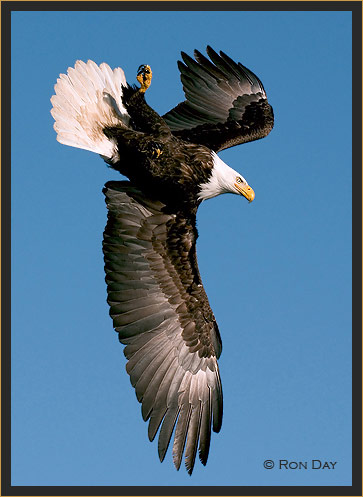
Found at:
[277, 271]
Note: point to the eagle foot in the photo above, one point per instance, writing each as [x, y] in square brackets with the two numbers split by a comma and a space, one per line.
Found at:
[144, 76]
[152, 149]
[157, 152]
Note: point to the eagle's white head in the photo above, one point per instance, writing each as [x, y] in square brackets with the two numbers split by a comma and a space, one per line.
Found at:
[224, 179]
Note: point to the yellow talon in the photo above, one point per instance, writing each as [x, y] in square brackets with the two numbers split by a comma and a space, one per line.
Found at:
[156, 153]
[144, 76]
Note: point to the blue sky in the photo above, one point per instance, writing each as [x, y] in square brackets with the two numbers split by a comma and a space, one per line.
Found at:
[277, 271]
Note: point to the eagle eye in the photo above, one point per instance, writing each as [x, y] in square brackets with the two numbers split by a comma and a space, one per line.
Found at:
[238, 180]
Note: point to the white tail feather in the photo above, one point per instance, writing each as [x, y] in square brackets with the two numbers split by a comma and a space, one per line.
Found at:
[87, 100]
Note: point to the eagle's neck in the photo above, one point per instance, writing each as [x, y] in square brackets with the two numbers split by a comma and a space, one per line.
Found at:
[220, 180]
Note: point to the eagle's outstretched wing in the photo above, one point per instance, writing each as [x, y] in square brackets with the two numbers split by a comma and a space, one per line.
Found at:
[161, 312]
[225, 104]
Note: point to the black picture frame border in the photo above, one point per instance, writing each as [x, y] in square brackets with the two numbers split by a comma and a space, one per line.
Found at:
[7, 7]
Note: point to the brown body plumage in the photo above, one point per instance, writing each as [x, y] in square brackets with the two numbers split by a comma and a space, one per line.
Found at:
[149, 154]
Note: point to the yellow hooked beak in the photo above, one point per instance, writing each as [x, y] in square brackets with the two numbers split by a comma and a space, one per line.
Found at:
[246, 191]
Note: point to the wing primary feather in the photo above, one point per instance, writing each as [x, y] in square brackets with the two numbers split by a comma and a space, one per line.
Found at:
[193, 437]
[166, 430]
[208, 66]
[231, 64]
[217, 404]
[205, 430]
[152, 389]
[218, 61]
[160, 406]
[181, 434]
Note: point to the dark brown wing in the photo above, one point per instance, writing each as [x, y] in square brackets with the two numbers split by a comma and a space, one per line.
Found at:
[161, 312]
[225, 104]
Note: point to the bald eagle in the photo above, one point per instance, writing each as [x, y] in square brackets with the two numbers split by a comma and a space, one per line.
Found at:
[157, 301]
